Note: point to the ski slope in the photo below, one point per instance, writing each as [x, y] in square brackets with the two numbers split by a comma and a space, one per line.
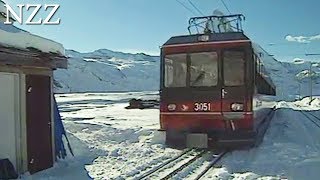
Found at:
[112, 142]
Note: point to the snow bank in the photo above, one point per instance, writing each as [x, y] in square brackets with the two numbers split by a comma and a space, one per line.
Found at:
[223, 174]
[307, 169]
[121, 139]
[305, 103]
[70, 168]
[290, 145]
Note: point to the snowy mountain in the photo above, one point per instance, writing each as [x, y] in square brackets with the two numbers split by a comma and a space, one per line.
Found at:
[106, 70]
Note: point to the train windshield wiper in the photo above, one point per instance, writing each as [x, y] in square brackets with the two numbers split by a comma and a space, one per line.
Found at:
[200, 77]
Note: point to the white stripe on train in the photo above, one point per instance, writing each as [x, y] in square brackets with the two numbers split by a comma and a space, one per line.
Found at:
[203, 113]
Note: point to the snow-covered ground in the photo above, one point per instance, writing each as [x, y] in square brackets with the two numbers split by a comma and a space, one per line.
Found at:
[112, 142]
[290, 149]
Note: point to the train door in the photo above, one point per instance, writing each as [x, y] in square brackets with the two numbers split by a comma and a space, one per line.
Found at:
[233, 89]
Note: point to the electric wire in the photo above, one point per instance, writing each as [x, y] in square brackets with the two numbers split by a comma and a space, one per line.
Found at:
[225, 5]
[195, 7]
[186, 7]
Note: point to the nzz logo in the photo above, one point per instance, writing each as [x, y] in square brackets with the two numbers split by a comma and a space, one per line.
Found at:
[36, 9]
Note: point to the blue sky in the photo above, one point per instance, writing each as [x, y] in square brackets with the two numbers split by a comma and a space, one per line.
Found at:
[144, 25]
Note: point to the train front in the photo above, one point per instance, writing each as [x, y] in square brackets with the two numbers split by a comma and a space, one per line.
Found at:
[206, 90]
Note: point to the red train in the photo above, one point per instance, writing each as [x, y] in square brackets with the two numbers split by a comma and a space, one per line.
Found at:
[210, 81]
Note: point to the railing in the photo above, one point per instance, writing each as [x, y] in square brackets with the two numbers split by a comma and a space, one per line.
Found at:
[216, 24]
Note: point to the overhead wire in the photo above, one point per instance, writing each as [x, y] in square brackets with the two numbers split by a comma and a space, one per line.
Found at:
[195, 7]
[186, 7]
[225, 5]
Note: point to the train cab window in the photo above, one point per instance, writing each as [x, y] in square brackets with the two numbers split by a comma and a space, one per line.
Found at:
[204, 69]
[233, 68]
[175, 70]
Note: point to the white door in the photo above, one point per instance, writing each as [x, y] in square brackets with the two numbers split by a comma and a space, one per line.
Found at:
[9, 115]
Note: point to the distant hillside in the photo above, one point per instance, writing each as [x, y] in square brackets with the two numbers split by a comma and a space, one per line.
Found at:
[105, 70]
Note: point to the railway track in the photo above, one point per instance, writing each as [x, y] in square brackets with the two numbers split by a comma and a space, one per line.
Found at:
[154, 170]
[173, 167]
[215, 160]
[187, 163]
[315, 120]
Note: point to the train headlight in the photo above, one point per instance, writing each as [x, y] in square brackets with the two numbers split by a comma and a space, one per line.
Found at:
[172, 107]
[237, 107]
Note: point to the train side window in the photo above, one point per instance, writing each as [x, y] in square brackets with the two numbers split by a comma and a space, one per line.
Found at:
[233, 68]
[175, 70]
[204, 69]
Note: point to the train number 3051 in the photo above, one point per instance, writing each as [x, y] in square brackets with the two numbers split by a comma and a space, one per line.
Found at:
[202, 107]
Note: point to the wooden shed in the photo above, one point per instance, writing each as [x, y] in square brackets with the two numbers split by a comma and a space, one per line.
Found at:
[26, 115]
[26, 98]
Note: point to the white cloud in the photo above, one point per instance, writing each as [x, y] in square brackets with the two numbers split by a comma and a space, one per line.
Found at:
[317, 37]
[299, 39]
[302, 39]
[298, 61]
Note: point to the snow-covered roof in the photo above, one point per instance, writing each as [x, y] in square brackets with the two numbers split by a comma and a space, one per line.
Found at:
[2, 8]
[12, 36]
[3, 11]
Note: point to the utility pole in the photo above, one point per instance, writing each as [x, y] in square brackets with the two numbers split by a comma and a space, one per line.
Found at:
[299, 79]
[299, 91]
[310, 74]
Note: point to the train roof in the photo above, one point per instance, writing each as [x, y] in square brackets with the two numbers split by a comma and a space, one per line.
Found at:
[213, 37]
